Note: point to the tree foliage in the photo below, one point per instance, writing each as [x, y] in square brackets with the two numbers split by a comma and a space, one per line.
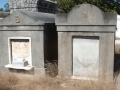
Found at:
[1, 9]
[67, 5]
[6, 6]
[104, 5]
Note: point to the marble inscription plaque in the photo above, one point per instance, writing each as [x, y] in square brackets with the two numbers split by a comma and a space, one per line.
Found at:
[86, 57]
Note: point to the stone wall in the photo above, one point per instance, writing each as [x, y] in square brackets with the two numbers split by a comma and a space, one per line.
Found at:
[28, 5]
[46, 6]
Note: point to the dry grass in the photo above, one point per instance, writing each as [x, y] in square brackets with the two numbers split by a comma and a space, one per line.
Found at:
[117, 48]
[36, 82]
[10, 81]
[117, 45]
[51, 68]
[117, 38]
[7, 81]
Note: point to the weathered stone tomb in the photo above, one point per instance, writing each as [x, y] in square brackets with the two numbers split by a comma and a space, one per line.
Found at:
[86, 43]
[27, 39]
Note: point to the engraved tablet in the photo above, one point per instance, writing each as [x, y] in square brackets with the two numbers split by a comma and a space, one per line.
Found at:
[85, 57]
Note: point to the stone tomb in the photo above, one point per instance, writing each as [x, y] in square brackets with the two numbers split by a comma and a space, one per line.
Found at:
[26, 39]
[86, 43]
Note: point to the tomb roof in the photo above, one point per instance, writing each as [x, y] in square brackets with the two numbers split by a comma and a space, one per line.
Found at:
[28, 18]
[44, 17]
[86, 14]
[4, 14]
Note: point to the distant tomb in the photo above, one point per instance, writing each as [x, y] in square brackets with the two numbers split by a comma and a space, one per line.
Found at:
[45, 6]
[27, 5]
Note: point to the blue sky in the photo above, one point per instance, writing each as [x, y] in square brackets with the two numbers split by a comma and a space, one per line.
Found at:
[2, 3]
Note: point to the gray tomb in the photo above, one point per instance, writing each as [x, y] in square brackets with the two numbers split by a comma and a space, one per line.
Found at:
[27, 38]
[86, 43]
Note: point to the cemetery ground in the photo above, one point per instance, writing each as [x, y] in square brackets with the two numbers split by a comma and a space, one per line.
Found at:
[23, 81]
[37, 82]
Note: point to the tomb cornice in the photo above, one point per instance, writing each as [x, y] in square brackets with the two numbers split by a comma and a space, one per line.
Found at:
[27, 20]
[86, 28]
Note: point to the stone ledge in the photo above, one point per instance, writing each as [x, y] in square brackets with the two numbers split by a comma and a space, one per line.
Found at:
[28, 67]
[84, 78]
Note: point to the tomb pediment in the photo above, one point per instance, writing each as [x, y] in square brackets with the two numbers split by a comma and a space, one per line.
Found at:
[86, 14]
[27, 18]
